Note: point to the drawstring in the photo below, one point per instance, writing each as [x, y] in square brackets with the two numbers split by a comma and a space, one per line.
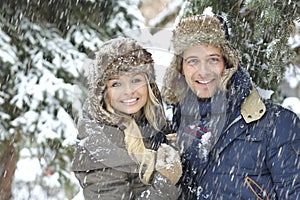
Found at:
[252, 184]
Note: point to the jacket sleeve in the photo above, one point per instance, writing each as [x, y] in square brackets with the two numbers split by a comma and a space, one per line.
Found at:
[160, 188]
[111, 184]
[103, 184]
[284, 155]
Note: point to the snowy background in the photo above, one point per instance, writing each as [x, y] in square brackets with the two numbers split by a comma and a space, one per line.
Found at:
[31, 166]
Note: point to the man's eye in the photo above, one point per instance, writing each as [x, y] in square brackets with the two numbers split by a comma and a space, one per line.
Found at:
[192, 61]
[214, 60]
[116, 84]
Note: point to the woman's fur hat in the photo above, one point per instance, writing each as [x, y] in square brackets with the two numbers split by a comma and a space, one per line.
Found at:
[191, 31]
[117, 56]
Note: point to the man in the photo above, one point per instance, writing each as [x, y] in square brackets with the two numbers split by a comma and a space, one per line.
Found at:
[234, 144]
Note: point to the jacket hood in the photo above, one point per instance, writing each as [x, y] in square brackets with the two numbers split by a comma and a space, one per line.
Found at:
[117, 56]
[192, 31]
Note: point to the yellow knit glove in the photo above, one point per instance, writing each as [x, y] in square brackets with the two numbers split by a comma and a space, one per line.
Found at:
[168, 163]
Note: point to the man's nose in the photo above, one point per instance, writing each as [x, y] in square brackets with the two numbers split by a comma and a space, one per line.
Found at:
[202, 68]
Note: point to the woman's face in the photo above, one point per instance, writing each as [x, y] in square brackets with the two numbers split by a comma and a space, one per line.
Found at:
[128, 93]
[203, 66]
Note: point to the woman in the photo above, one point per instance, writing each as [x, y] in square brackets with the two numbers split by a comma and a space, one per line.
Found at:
[235, 145]
[120, 154]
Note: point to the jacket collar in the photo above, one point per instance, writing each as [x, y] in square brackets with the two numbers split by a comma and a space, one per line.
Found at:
[253, 108]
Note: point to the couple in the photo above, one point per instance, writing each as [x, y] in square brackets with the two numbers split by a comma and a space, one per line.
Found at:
[231, 144]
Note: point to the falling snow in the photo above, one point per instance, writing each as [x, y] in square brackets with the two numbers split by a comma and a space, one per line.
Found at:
[31, 91]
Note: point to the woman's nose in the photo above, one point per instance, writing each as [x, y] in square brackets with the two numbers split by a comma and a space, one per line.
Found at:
[129, 89]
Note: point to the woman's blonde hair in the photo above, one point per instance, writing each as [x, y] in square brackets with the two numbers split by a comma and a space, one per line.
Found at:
[151, 108]
[134, 139]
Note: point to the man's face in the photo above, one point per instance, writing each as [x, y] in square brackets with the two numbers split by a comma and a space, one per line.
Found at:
[203, 66]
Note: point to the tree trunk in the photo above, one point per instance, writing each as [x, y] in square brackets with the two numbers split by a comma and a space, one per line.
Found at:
[8, 162]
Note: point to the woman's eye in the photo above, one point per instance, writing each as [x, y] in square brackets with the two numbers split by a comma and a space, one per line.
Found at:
[116, 84]
[136, 80]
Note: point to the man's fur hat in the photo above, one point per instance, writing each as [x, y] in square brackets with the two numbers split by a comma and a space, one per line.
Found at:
[191, 31]
[117, 56]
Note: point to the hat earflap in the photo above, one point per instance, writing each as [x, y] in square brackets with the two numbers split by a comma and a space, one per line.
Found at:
[174, 83]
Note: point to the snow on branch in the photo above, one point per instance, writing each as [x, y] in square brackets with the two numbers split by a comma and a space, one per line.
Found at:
[172, 9]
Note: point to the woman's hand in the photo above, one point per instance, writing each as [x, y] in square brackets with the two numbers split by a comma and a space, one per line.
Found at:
[168, 163]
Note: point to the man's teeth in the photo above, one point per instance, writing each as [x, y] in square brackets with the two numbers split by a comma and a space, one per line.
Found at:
[129, 100]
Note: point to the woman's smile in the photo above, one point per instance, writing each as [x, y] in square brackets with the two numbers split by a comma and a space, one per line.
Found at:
[130, 102]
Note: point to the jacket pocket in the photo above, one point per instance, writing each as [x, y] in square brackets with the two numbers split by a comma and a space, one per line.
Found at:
[251, 137]
[256, 189]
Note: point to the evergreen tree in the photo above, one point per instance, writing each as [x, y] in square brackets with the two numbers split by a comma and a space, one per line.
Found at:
[260, 30]
[43, 47]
